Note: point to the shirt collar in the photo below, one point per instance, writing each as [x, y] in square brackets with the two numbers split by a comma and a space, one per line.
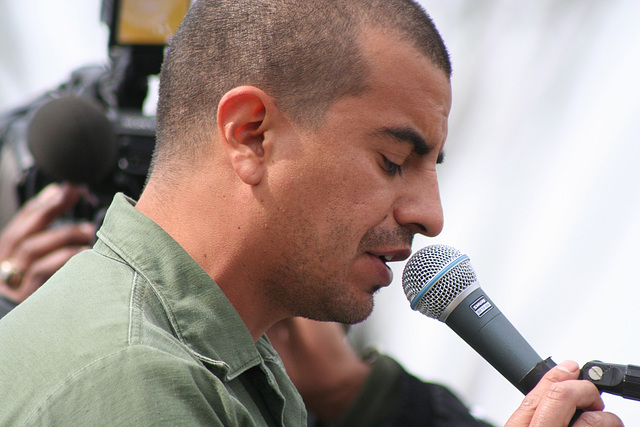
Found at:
[200, 314]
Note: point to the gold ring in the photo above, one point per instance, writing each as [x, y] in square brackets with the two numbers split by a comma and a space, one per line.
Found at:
[10, 274]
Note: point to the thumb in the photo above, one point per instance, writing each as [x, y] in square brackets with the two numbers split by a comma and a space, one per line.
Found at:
[534, 401]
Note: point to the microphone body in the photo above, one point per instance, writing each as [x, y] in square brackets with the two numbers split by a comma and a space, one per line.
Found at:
[482, 325]
[440, 283]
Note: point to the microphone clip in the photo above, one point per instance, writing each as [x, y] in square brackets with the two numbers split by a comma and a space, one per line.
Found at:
[621, 380]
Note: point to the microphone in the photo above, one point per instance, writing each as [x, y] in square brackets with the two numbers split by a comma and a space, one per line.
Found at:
[440, 282]
[72, 140]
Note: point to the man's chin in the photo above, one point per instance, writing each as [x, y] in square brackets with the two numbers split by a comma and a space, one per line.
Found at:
[349, 315]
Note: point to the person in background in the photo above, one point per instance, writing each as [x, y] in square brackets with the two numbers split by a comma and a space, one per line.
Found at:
[342, 388]
[297, 145]
[31, 251]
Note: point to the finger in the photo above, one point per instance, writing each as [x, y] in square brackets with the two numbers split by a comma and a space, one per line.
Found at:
[563, 399]
[592, 419]
[52, 201]
[39, 272]
[38, 245]
[564, 371]
[37, 214]
[43, 268]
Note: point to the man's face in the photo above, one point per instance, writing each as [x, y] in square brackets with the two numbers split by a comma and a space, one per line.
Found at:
[352, 193]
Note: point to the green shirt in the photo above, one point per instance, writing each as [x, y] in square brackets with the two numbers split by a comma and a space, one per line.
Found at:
[134, 332]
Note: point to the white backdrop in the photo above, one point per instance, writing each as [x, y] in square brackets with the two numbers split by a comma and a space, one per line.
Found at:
[539, 185]
[540, 189]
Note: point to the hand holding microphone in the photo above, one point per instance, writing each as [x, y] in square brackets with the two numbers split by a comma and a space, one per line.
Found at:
[440, 283]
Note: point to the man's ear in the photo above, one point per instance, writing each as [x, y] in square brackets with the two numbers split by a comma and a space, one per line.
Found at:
[241, 126]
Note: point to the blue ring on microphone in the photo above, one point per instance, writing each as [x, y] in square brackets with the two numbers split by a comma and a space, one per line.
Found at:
[435, 278]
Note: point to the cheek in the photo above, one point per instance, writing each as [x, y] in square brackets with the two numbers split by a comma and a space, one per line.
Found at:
[361, 195]
[335, 197]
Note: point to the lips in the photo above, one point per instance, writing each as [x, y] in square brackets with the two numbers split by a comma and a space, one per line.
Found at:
[392, 254]
[381, 270]
[378, 259]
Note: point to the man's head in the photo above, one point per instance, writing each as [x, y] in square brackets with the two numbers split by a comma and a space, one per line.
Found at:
[306, 137]
[305, 54]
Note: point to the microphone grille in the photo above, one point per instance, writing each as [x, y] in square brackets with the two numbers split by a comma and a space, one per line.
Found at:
[434, 276]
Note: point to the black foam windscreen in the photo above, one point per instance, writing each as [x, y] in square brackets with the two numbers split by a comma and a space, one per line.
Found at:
[72, 140]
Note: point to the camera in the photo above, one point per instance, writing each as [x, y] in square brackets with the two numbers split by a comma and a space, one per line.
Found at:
[139, 31]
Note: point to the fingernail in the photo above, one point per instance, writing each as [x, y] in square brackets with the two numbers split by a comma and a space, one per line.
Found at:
[50, 192]
[568, 366]
[88, 229]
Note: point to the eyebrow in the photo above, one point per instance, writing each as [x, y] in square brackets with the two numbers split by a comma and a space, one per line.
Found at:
[409, 136]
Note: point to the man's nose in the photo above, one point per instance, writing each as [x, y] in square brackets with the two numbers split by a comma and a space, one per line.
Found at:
[420, 207]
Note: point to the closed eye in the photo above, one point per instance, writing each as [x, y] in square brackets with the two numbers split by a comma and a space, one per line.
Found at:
[390, 168]
[410, 136]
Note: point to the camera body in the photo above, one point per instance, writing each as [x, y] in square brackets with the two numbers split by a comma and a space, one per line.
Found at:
[138, 33]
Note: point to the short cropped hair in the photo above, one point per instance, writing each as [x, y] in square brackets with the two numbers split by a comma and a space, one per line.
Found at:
[303, 53]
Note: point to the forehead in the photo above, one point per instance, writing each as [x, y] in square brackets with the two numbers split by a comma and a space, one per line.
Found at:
[405, 90]
[395, 66]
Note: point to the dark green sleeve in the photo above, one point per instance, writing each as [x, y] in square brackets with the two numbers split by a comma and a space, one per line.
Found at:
[393, 397]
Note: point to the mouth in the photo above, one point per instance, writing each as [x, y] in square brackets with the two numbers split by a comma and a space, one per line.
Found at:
[385, 259]
[381, 271]
[391, 255]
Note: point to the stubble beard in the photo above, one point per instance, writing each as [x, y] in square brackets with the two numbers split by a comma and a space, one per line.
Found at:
[319, 298]
[302, 289]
